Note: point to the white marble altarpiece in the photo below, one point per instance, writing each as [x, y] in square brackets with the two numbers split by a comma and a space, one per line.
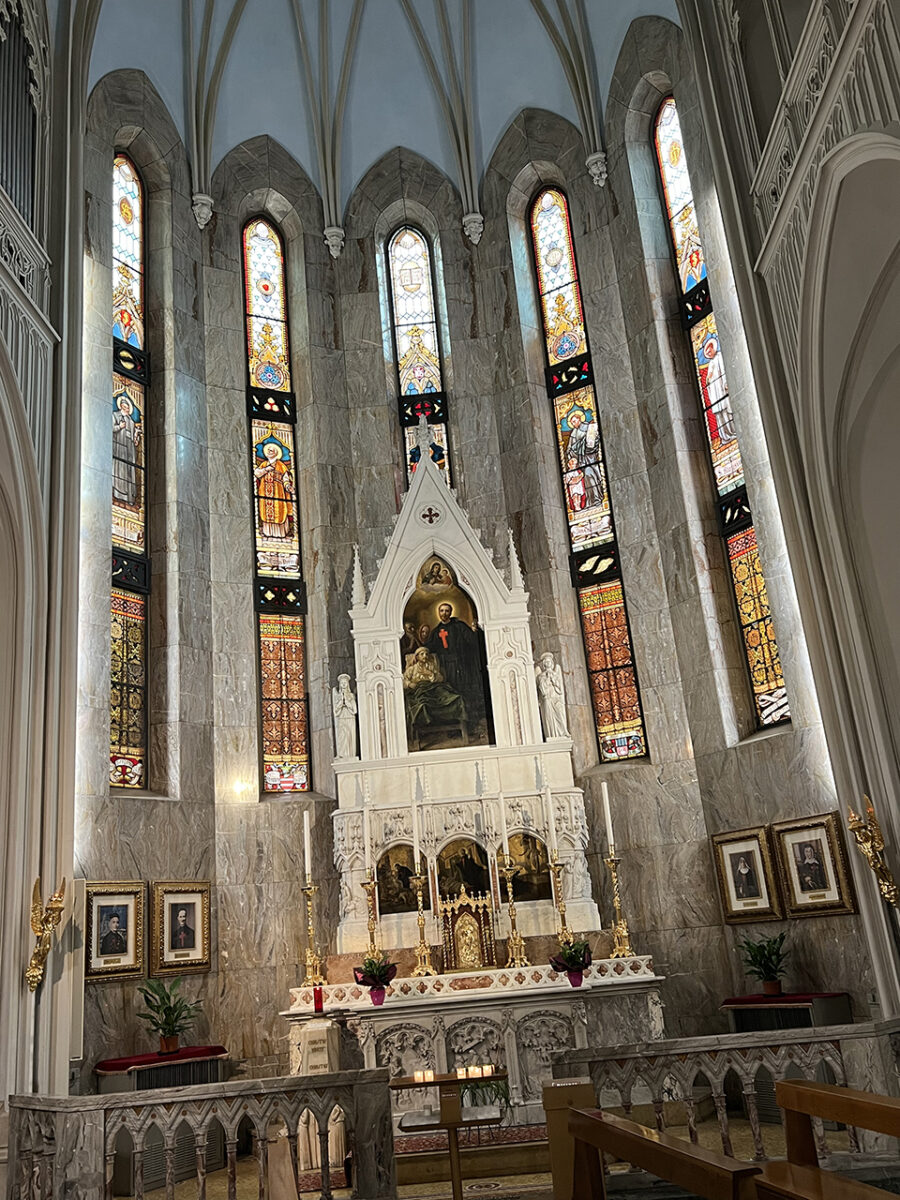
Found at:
[459, 771]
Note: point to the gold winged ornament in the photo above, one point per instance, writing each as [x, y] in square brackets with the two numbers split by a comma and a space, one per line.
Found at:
[43, 922]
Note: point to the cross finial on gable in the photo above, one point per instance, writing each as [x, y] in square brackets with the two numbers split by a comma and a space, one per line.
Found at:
[424, 438]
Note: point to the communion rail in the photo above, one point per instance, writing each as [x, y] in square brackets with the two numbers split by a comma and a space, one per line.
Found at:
[65, 1147]
[731, 1067]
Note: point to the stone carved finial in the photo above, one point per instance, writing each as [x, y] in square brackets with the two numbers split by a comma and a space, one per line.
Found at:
[516, 582]
[473, 227]
[202, 208]
[334, 240]
[343, 707]
[596, 165]
[423, 439]
[551, 697]
[358, 592]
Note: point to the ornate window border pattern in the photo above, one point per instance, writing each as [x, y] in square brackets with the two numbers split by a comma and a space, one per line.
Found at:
[279, 590]
[416, 339]
[130, 556]
[733, 507]
[594, 554]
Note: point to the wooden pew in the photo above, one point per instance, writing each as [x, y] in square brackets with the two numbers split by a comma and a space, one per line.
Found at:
[800, 1177]
[700, 1172]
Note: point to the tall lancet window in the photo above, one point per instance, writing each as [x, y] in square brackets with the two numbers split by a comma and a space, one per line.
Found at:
[417, 344]
[735, 517]
[130, 557]
[592, 532]
[279, 590]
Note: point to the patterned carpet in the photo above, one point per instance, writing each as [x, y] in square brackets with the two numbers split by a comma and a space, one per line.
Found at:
[489, 1135]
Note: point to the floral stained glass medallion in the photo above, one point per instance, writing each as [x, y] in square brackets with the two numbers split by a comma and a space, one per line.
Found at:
[128, 254]
[129, 441]
[284, 719]
[128, 681]
[267, 348]
[275, 499]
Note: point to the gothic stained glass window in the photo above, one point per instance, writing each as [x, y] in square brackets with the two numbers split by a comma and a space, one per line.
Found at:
[417, 349]
[278, 582]
[267, 341]
[128, 413]
[749, 585]
[592, 535]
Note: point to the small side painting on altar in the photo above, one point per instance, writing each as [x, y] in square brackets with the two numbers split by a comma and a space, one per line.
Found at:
[463, 861]
[396, 893]
[445, 685]
[529, 854]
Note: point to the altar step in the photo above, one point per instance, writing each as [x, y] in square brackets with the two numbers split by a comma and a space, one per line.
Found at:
[477, 1162]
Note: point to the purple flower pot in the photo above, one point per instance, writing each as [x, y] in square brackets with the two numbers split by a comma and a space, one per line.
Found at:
[576, 978]
[376, 995]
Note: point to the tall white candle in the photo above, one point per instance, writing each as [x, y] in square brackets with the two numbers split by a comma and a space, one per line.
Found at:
[503, 834]
[414, 816]
[551, 820]
[367, 837]
[307, 851]
[607, 816]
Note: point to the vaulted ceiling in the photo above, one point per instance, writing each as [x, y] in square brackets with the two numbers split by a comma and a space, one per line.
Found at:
[441, 77]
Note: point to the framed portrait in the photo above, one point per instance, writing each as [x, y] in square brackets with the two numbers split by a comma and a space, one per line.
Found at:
[746, 875]
[114, 944]
[180, 938]
[812, 863]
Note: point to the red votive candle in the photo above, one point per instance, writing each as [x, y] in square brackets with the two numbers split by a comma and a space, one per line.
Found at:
[318, 998]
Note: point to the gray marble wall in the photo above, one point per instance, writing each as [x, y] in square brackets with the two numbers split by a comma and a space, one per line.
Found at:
[203, 815]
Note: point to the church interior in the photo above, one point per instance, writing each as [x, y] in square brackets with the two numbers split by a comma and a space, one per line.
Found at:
[450, 705]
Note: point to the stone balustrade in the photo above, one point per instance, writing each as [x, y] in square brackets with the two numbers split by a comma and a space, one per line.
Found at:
[66, 1146]
[731, 1067]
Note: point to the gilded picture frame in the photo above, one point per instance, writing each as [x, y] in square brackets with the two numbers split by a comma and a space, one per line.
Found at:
[115, 944]
[813, 868]
[180, 927]
[746, 873]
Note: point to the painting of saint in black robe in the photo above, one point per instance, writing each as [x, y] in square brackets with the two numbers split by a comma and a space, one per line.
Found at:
[463, 862]
[442, 657]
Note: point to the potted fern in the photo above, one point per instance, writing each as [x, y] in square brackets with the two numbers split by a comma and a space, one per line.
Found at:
[765, 960]
[168, 1013]
[573, 959]
[375, 974]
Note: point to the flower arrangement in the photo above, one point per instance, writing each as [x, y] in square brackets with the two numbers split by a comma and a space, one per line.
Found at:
[375, 972]
[573, 956]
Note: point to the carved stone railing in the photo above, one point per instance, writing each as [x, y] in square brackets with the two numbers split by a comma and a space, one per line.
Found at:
[66, 1146]
[658, 1073]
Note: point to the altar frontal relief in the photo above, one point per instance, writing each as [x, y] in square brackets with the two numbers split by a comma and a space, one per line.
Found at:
[445, 689]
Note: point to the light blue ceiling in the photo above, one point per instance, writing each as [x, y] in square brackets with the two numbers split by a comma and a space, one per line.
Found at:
[391, 101]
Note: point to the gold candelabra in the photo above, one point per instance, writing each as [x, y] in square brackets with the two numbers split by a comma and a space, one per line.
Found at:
[556, 867]
[423, 950]
[621, 937]
[370, 884]
[516, 943]
[313, 959]
[870, 841]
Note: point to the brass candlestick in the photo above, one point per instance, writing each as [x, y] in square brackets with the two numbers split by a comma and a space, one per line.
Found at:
[313, 960]
[621, 937]
[556, 867]
[370, 884]
[516, 942]
[870, 841]
[423, 951]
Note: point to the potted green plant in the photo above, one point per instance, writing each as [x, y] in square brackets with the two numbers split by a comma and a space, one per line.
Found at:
[168, 1013]
[765, 960]
[375, 974]
[573, 959]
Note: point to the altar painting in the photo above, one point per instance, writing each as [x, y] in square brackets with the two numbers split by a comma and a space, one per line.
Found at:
[529, 854]
[445, 688]
[395, 871]
[463, 861]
